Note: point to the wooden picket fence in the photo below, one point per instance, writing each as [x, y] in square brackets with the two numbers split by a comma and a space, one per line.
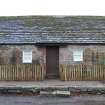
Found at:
[22, 72]
[82, 72]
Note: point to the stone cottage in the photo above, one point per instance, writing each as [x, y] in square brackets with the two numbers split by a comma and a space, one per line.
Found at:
[43, 47]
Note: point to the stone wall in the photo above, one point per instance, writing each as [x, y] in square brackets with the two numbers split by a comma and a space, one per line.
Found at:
[12, 54]
[91, 54]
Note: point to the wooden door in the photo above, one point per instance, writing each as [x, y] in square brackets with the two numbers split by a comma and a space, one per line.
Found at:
[52, 61]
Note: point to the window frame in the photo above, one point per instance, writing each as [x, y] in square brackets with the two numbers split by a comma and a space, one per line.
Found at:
[24, 56]
[79, 55]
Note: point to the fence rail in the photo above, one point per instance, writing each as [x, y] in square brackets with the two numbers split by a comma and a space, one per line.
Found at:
[22, 72]
[82, 72]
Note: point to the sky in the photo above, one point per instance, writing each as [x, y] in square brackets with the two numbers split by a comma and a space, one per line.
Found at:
[52, 7]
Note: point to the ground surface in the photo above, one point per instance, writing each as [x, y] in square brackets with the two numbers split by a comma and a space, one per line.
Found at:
[51, 83]
[42, 100]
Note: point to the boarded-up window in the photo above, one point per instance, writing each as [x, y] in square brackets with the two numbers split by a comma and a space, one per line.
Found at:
[78, 55]
[27, 56]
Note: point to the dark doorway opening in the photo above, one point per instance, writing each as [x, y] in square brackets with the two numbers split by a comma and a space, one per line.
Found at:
[52, 62]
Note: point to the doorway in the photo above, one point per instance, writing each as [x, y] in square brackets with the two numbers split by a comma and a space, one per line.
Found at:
[52, 62]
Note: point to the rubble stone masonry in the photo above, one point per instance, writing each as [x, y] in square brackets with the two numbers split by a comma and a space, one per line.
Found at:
[12, 54]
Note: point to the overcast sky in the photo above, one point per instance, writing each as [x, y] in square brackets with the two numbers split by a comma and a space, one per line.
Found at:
[52, 7]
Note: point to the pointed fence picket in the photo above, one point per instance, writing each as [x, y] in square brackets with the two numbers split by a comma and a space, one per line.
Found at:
[22, 72]
[82, 72]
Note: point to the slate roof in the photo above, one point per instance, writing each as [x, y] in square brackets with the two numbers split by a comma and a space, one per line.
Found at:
[52, 29]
